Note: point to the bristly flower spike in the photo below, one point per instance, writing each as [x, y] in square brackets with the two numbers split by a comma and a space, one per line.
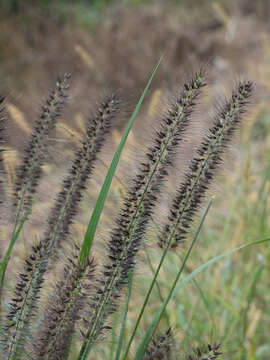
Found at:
[66, 205]
[24, 304]
[211, 352]
[160, 347]
[203, 166]
[30, 171]
[64, 309]
[3, 119]
[138, 207]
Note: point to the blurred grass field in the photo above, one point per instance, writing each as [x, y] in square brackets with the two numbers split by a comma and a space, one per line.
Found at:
[230, 301]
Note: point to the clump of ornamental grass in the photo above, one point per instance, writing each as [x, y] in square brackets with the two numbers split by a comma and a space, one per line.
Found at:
[36, 264]
[138, 206]
[77, 312]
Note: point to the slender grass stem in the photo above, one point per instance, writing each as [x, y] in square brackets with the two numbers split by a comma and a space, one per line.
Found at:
[161, 298]
[141, 349]
[92, 225]
[138, 213]
[123, 327]
[89, 236]
[212, 149]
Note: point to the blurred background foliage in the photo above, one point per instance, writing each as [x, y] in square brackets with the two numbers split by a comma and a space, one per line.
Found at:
[87, 11]
[114, 45]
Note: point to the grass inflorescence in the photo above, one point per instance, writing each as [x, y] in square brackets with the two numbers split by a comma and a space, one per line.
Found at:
[3, 119]
[87, 292]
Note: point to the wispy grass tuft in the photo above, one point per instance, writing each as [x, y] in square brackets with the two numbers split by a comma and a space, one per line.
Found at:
[66, 205]
[204, 164]
[88, 289]
[64, 308]
[198, 178]
[24, 304]
[160, 347]
[30, 171]
[138, 206]
[3, 119]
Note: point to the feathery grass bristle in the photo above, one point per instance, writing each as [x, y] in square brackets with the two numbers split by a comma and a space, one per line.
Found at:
[30, 171]
[18, 306]
[138, 206]
[65, 307]
[203, 167]
[160, 347]
[3, 119]
[86, 292]
[66, 204]
[61, 217]
[210, 352]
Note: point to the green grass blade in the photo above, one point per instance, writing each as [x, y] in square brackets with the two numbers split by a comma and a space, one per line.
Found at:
[215, 259]
[161, 298]
[250, 297]
[113, 338]
[207, 306]
[123, 327]
[5, 261]
[92, 225]
[150, 332]
[175, 289]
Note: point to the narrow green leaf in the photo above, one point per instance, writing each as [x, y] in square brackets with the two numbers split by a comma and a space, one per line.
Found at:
[161, 298]
[5, 261]
[207, 306]
[113, 338]
[150, 332]
[175, 289]
[215, 259]
[250, 297]
[123, 327]
[92, 225]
